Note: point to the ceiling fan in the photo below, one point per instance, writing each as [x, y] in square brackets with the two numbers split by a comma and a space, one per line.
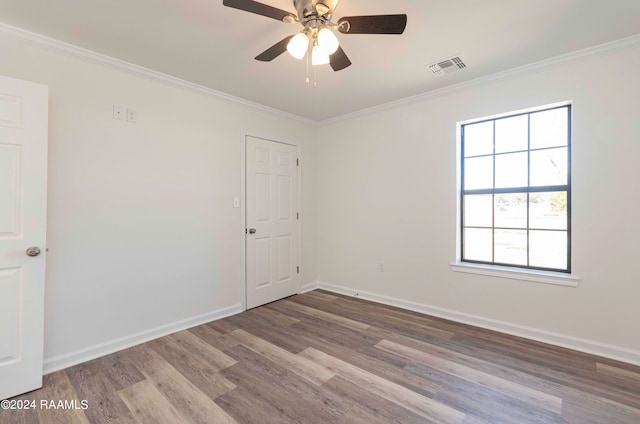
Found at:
[318, 36]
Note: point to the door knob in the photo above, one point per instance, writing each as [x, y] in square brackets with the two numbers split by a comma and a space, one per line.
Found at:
[252, 230]
[33, 251]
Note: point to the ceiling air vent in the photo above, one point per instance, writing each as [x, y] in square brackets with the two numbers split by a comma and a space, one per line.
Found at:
[447, 66]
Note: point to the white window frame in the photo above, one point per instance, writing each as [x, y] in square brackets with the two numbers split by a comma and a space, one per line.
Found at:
[511, 272]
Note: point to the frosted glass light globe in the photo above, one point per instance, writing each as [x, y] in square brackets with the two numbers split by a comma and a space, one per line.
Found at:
[298, 45]
[318, 57]
[327, 41]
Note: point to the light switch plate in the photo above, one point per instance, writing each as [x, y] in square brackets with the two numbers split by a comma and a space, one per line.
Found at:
[132, 115]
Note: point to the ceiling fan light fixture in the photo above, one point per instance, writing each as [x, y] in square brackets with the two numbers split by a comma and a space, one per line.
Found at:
[298, 45]
[327, 41]
[317, 41]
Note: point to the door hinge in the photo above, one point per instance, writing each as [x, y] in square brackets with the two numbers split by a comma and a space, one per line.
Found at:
[297, 162]
[298, 269]
[297, 215]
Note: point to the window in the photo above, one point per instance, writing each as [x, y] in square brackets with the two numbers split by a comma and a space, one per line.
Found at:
[516, 190]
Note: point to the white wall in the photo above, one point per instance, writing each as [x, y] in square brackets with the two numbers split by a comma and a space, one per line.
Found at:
[141, 229]
[387, 192]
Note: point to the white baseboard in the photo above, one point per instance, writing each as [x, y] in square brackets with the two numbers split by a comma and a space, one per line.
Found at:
[83, 355]
[308, 287]
[583, 345]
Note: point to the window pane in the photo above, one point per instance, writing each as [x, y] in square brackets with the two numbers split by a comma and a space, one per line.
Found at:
[478, 173]
[512, 134]
[478, 139]
[548, 210]
[549, 167]
[511, 210]
[477, 244]
[517, 163]
[511, 247]
[548, 249]
[549, 128]
[478, 210]
[511, 170]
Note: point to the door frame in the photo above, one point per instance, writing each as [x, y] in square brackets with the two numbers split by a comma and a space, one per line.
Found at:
[243, 207]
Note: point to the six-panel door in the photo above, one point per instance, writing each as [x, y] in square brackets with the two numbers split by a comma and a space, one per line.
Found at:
[271, 210]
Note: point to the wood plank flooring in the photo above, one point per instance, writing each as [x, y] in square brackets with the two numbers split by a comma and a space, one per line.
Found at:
[325, 358]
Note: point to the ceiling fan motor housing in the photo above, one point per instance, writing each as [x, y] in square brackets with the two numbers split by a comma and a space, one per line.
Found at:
[308, 8]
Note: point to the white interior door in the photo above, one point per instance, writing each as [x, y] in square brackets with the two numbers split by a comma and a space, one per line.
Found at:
[272, 221]
[23, 185]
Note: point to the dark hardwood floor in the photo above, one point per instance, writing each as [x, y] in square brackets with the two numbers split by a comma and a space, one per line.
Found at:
[325, 358]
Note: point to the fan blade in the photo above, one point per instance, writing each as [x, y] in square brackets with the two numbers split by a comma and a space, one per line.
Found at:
[259, 9]
[339, 60]
[377, 24]
[274, 51]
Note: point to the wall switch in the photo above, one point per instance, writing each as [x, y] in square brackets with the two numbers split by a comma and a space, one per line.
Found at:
[236, 202]
[132, 115]
[118, 113]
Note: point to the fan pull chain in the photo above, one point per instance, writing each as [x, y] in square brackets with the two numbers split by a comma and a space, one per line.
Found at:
[308, 59]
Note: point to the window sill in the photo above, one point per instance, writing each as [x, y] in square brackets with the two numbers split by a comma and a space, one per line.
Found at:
[556, 278]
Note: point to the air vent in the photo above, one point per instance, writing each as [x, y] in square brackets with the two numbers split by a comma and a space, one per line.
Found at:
[447, 66]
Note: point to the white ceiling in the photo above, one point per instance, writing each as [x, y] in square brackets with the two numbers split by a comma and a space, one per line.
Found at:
[203, 42]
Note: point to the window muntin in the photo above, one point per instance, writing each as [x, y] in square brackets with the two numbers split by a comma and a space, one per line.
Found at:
[516, 190]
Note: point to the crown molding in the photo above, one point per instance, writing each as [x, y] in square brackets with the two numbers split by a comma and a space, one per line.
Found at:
[89, 56]
[616, 46]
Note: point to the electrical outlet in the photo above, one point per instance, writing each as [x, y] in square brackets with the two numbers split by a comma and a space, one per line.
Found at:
[118, 113]
[381, 266]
